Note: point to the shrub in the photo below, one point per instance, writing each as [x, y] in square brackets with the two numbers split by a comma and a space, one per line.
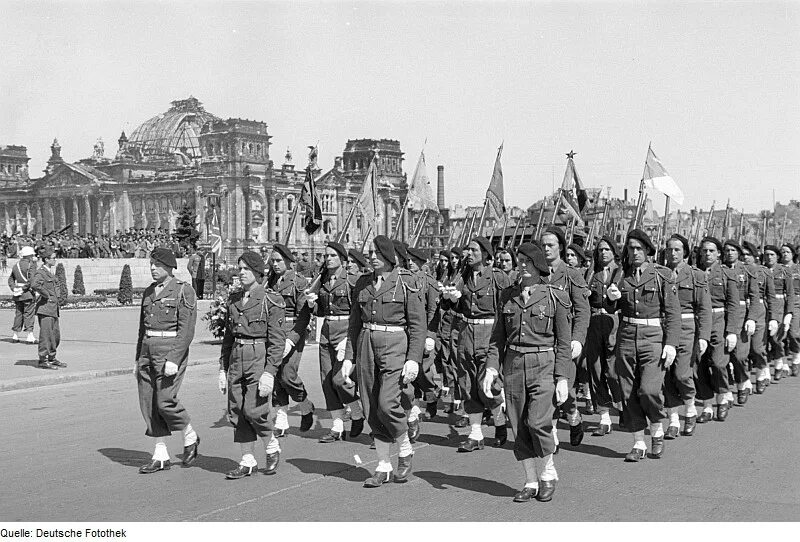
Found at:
[61, 280]
[77, 284]
[125, 294]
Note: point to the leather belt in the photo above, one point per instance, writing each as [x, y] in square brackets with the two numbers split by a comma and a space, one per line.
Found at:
[240, 340]
[476, 321]
[718, 309]
[599, 311]
[642, 321]
[742, 302]
[334, 318]
[154, 333]
[529, 349]
[379, 327]
[687, 315]
[290, 318]
[780, 296]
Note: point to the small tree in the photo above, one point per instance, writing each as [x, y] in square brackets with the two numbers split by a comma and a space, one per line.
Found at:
[77, 283]
[61, 279]
[125, 294]
[186, 229]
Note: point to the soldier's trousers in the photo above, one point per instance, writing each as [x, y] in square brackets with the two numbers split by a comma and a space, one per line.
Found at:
[158, 394]
[679, 378]
[640, 373]
[424, 386]
[49, 337]
[758, 348]
[711, 371]
[24, 316]
[250, 414]
[444, 357]
[601, 341]
[793, 334]
[529, 388]
[380, 360]
[740, 357]
[473, 347]
[288, 382]
[336, 392]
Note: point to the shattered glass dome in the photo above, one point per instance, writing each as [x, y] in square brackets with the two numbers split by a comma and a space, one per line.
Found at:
[175, 131]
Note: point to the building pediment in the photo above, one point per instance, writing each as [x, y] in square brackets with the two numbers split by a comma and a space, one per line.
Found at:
[73, 175]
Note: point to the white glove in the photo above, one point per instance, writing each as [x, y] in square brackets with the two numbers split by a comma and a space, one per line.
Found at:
[136, 371]
[787, 320]
[288, 348]
[311, 299]
[668, 354]
[703, 345]
[410, 371]
[347, 370]
[429, 344]
[730, 342]
[613, 292]
[577, 348]
[773, 327]
[562, 392]
[222, 382]
[170, 369]
[487, 381]
[456, 295]
[340, 349]
[265, 384]
[749, 327]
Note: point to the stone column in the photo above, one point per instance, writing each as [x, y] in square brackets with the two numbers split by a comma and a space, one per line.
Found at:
[199, 209]
[62, 214]
[239, 211]
[269, 216]
[6, 222]
[113, 225]
[49, 222]
[101, 222]
[76, 216]
[248, 210]
[87, 218]
[224, 221]
[39, 228]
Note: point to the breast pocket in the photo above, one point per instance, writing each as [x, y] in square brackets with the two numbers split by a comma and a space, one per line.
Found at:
[339, 299]
[484, 301]
[650, 293]
[686, 292]
[717, 287]
[167, 310]
[256, 319]
[542, 318]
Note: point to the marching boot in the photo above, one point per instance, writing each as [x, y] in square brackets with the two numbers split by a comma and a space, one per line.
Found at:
[403, 469]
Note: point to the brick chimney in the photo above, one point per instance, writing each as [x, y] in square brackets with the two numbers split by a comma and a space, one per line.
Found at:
[440, 186]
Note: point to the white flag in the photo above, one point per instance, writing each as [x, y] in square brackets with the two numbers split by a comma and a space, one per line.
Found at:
[656, 176]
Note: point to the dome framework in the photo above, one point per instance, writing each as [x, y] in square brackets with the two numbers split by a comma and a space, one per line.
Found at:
[177, 130]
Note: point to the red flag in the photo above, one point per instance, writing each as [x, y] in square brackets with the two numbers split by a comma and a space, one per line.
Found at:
[494, 194]
[312, 219]
[368, 199]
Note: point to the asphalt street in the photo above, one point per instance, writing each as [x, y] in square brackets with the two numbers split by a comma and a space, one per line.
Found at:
[70, 452]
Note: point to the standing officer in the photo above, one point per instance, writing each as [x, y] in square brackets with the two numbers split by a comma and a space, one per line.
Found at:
[193, 266]
[20, 283]
[166, 329]
[290, 286]
[476, 294]
[649, 332]
[45, 285]
[784, 292]
[766, 289]
[711, 371]
[252, 352]
[386, 337]
[790, 262]
[531, 345]
[695, 303]
[571, 280]
[329, 297]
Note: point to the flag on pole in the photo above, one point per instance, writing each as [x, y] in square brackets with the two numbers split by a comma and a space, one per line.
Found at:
[368, 199]
[656, 176]
[572, 191]
[215, 234]
[494, 194]
[420, 193]
[312, 219]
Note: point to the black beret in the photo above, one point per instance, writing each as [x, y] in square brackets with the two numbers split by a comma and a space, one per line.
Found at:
[485, 245]
[456, 251]
[713, 240]
[358, 257]
[284, 251]
[444, 252]
[751, 248]
[253, 261]
[562, 241]
[400, 251]
[773, 248]
[794, 253]
[642, 237]
[535, 254]
[578, 252]
[417, 254]
[683, 241]
[166, 256]
[734, 244]
[384, 247]
[340, 250]
[611, 244]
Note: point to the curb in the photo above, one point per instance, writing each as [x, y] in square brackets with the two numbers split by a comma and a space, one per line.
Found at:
[56, 379]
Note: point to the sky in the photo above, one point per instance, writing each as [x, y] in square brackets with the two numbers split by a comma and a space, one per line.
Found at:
[712, 85]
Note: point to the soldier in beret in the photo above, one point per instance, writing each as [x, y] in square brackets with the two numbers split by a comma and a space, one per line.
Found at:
[46, 307]
[251, 357]
[792, 343]
[784, 292]
[356, 263]
[767, 325]
[166, 329]
[507, 264]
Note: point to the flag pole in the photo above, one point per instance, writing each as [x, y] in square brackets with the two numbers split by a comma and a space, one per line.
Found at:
[663, 234]
[366, 238]
[514, 235]
[420, 227]
[783, 229]
[346, 224]
[400, 218]
[763, 230]
[540, 220]
[503, 233]
[288, 233]
[483, 216]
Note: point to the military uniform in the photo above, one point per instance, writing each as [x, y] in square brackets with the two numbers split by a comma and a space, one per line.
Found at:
[253, 344]
[445, 359]
[759, 341]
[424, 386]
[166, 329]
[19, 281]
[792, 346]
[45, 285]
[752, 308]
[784, 294]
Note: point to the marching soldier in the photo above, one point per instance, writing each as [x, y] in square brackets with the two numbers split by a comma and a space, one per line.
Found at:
[727, 317]
[649, 331]
[166, 329]
[386, 337]
[790, 262]
[476, 294]
[784, 292]
[46, 306]
[530, 344]
[356, 264]
[571, 280]
[330, 297]
[766, 289]
[290, 286]
[695, 304]
[251, 357]
[507, 264]
[20, 283]
[445, 354]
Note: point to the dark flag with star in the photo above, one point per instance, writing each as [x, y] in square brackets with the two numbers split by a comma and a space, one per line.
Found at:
[572, 190]
[312, 219]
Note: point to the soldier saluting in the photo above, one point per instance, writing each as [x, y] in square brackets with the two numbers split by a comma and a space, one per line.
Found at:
[166, 329]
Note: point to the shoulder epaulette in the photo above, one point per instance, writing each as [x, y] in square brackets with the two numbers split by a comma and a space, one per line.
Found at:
[182, 296]
[410, 277]
[729, 273]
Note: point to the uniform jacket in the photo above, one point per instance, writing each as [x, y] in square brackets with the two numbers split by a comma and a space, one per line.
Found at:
[653, 296]
[290, 286]
[397, 303]
[173, 309]
[724, 290]
[21, 274]
[598, 288]
[783, 287]
[571, 280]
[795, 270]
[542, 322]
[44, 284]
[694, 297]
[766, 290]
[430, 297]
[260, 318]
[193, 265]
[480, 293]
[749, 294]
[334, 300]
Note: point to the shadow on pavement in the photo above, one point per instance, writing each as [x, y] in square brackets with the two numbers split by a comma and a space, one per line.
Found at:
[28, 362]
[479, 485]
[221, 422]
[591, 449]
[128, 458]
[452, 440]
[136, 458]
[331, 468]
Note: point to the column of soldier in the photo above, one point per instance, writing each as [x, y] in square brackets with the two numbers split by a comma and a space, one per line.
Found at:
[507, 339]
